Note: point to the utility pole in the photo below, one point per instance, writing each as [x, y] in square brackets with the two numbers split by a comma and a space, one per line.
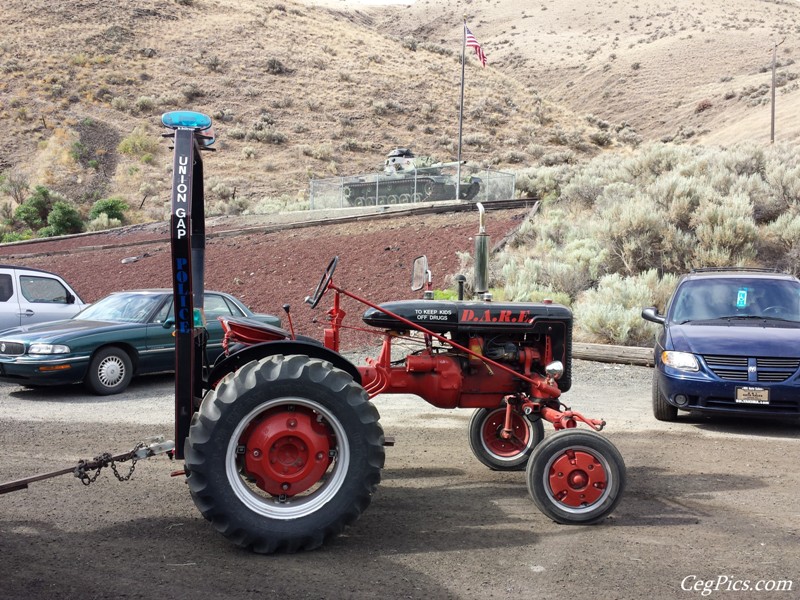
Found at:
[772, 120]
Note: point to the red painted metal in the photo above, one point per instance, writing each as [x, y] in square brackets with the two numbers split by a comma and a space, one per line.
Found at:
[436, 378]
[447, 379]
[539, 385]
[505, 432]
[287, 451]
[568, 419]
[249, 332]
[577, 478]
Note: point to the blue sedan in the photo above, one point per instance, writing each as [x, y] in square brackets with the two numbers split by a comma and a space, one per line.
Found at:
[729, 343]
[104, 346]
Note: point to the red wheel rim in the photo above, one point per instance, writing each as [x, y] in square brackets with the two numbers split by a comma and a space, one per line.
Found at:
[500, 446]
[577, 478]
[286, 451]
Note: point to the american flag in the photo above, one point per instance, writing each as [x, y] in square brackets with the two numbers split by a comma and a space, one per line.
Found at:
[473, 43]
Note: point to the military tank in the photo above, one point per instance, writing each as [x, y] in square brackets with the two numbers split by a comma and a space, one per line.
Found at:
[402, 181]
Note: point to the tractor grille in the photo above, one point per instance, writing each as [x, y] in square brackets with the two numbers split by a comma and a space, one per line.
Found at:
[12, 348]
[742, 368]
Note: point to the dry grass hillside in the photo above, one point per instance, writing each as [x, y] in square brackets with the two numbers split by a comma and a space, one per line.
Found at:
[696, 69]
[296, 91]
[327, 87]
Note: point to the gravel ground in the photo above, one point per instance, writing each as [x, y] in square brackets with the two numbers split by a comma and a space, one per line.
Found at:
[705, 499]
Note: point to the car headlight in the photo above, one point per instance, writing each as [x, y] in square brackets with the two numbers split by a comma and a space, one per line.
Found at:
[683, 361]
[48, 349]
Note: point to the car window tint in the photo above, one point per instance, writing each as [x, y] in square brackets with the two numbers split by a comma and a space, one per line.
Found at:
[165, 312]
[6, 287]
[127, 308]
[215, 306]
[42, 289]
[737, 297]
[235, 310]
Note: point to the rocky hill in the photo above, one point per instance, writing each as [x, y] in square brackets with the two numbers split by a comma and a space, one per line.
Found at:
[296, 91]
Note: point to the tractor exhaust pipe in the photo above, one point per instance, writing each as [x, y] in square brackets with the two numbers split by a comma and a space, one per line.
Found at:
[481, 259]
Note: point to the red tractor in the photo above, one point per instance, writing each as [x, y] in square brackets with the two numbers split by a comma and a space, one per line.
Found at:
[282, 446]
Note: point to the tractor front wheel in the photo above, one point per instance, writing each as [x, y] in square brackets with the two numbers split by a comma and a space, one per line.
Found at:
[284, 453]
[501, 453]
[576, 477]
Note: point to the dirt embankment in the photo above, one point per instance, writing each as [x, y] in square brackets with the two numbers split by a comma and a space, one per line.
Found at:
[268, 268]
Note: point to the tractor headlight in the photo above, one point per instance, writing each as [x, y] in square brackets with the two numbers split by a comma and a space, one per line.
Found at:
[48, 349]
[683, 361]
[555, 369]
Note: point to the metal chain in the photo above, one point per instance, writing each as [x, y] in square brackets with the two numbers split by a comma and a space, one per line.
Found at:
[105, 460]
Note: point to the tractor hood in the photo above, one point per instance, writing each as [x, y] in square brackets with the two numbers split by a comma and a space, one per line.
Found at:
[442, 316]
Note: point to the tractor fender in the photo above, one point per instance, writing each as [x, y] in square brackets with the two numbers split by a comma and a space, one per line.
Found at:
[311, 348]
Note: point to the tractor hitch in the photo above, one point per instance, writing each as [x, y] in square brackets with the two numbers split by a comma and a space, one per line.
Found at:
[145, 449]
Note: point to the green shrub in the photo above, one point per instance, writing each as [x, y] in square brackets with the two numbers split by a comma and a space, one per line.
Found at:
[63, 219]
[267, 136]
[33, 212]
[139, 143]
[665, 208]
[102, 222]
[113, 208]
[17, 236]
[726, 233]
[611, 313]
[145, 103]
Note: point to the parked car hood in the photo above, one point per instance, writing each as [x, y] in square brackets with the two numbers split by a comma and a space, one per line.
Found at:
[57, 330]
[734, 340]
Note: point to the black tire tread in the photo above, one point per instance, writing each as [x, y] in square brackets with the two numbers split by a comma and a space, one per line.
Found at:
[91, 380]
[662, 410]
[475, 431]
[559, 443]
[283, 371]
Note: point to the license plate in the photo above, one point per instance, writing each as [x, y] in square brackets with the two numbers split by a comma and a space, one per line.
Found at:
[752, 395]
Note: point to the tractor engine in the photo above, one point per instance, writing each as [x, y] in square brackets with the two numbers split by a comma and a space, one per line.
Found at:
[524, 337]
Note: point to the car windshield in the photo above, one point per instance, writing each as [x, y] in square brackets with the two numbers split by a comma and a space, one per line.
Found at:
[736, 298]
[125, 308]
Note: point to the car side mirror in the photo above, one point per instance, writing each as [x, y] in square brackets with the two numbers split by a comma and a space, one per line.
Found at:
[651, 314]
[70, 298]
[168, 324]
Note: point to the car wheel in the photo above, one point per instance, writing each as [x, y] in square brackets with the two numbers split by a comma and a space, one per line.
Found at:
[110, 371]
[662, 410]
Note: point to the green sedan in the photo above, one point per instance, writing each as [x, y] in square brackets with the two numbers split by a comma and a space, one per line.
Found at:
[104, 346]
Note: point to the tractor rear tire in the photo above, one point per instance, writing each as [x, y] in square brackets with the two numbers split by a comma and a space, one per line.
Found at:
[497, 453]
[576, 477]
[284, 453]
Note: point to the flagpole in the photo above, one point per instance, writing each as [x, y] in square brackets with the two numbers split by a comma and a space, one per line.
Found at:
[461, 109]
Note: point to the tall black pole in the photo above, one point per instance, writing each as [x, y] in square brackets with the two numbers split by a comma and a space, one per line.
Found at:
[187, 241]
[461, 109]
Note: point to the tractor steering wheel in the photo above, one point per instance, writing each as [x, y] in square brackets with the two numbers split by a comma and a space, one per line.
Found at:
[322, 286]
